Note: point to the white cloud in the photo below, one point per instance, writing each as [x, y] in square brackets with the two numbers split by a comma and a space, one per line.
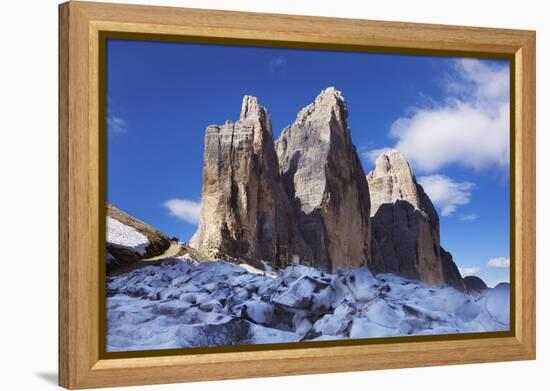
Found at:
[499, 263]
[469, 271]
[116, 125]
[468, 217]
[446, 193]
[186, 210]
[470, 127]
[278, 61]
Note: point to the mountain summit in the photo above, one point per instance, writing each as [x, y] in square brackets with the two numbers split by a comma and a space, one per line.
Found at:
[405, 234]
[324, 179]
[245, 212]
[305, 199]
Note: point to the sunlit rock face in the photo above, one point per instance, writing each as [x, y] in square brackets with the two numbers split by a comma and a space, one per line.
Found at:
[324, 180]
[302, 199]
[305, 199]
[245, 212]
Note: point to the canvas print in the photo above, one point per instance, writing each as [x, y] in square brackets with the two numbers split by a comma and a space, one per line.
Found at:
[261, 195]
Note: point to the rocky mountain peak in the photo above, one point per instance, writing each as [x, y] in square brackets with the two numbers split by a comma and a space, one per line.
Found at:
[324, 179]
[305, 198]
[405, 226]
[329, 102]
[250, 108]
[330, 94]
[252, 112]
[391, 161]
[245, 212]
[392, 180]
[302, 199]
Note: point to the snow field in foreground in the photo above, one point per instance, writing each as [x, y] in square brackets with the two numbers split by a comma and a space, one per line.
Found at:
[181, 303]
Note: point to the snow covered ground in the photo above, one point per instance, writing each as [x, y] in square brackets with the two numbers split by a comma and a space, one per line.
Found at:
[181, 303]
[123, 236]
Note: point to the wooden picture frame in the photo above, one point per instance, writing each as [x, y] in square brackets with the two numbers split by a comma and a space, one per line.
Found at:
[81, 164]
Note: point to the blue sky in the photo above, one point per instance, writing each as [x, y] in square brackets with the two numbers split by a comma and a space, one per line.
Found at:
[450, 117]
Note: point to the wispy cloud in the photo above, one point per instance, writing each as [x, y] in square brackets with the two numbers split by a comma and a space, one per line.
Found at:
[116, 125]
[277, 66]
[186, 210]
[469, 127]
[446, 193]
[469, 271]
[499, 263]
[468, 217]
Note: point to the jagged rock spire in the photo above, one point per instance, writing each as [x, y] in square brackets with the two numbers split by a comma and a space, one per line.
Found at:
[405, 226]
[251, 108]
[306, 199]
[324, 179]
[392, 179]
[245, 213]
[307, 204]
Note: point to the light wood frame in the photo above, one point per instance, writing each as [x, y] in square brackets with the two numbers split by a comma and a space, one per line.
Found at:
[80, 24]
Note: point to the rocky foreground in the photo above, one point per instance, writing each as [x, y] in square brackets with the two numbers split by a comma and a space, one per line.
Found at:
[182, 303]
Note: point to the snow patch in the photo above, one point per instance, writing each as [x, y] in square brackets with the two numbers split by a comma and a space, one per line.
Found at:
[121, 235]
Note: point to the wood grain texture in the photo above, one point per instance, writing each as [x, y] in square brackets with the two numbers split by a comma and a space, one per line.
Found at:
[80, 365]
[63, 221]
[526, 193]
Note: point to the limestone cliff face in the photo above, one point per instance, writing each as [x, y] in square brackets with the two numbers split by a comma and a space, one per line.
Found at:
[245, 213]
[405, 224]
[305, 198]
[393, 180]
[325, 182]
[306, 203]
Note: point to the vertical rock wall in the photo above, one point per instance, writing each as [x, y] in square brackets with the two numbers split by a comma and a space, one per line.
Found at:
[305, 198]
[324, 179]
[245, 213]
